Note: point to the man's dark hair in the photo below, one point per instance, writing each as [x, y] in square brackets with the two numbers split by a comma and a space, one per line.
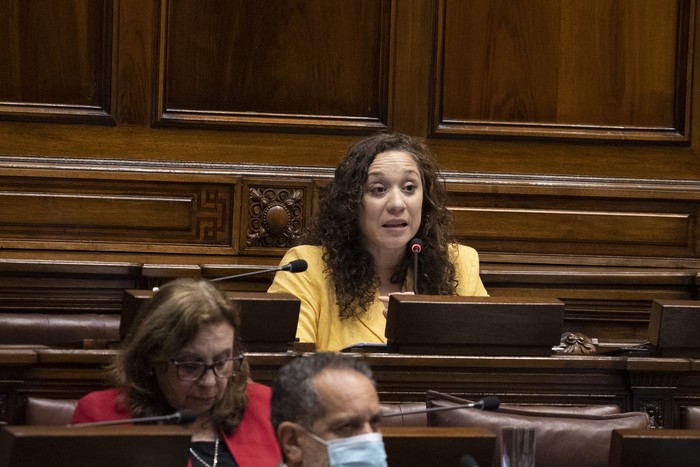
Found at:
[294, 397]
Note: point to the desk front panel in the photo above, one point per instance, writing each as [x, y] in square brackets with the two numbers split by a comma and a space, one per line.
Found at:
[660, 386]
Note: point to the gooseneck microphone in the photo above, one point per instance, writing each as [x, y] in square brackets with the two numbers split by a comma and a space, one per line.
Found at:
[298, 265]
[416, 247]
[182, 416]
[487, 403]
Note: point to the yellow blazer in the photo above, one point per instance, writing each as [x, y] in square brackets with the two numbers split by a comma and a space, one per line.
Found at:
[318, 318]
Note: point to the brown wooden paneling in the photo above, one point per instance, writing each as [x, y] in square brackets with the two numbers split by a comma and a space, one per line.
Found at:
[117, 215]
[135, 52]
[632, 383]
[600, 227]
[584, 230]
[56, 60]
[316, 63]
[59, 286]
[412, 70]
[579, 220]
[594, 69]
[303, 78]
[138, 147]
[178, 208]
[604, 303]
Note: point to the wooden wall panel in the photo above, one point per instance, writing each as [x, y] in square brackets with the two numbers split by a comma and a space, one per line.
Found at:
[554, 225]
[594, 69]
[578, 217]
[566, 128]
[244, 209]
[56, 58]
[135, 47]
[54, 286]
[117, 215]
[321, 63]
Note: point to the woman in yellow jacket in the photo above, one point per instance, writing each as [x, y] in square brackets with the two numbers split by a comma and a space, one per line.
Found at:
[386, 192]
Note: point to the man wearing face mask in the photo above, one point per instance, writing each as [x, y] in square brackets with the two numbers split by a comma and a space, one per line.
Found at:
[325, 412]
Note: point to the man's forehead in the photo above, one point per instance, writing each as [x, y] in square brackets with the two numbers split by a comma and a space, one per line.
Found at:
[348, 399]
[333, 378]
[338, 387]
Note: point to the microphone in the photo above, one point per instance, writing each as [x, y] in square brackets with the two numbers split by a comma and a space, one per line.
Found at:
[182, 416]
[416, 247]
[487, 403]
[298, 265]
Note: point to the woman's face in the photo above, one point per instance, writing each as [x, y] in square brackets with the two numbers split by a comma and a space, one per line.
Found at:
[391, 206]
[213, 343]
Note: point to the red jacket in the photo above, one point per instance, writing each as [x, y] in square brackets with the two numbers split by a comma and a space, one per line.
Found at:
[252, 444]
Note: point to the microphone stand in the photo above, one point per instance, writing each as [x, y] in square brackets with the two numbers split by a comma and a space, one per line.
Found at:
[298, 265]
[487, 403]
[416, 247]
[246, 274]
[181, 416]
[415, 271]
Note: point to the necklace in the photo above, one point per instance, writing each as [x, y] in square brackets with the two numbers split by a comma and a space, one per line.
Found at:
[216, 454]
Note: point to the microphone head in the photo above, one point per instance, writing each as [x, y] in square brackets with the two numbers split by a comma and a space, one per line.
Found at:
[416, 245]
[184, 416]
[298, 265]
[488, 403]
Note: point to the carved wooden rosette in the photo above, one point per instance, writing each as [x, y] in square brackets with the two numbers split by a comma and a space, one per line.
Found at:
[577, 343]
[275, 216]
[656, 409]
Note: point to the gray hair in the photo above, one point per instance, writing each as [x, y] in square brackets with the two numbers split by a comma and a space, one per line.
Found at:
[294, 397]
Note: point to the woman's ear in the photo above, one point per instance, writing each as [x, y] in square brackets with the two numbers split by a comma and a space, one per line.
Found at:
[288, 437]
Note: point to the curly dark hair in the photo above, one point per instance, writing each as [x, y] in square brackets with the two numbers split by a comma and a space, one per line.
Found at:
[165, 323]
[336, 227]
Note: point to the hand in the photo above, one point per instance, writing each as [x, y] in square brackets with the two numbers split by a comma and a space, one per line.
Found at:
[385, 300]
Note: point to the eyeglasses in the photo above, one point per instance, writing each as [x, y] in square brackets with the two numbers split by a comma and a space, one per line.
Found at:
[192, 371]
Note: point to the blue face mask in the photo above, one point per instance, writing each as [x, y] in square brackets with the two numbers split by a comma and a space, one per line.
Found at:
[366, 450]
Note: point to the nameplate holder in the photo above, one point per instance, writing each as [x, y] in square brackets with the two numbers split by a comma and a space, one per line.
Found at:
[452, 325]
[674, 326]
[268, 320]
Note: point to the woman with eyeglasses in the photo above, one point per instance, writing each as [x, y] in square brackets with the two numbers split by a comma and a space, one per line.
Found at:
[185, 353]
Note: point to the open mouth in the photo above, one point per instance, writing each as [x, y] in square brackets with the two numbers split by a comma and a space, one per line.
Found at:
[393, 225]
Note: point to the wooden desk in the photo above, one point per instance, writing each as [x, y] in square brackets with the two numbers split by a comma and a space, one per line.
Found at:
[660, 386]
[437, 445]
[115, 446]
[658, 448]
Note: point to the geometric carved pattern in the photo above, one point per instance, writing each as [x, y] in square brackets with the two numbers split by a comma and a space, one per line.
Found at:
[210, 216]
[655, 380]
[275, 216]
[656, 409]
